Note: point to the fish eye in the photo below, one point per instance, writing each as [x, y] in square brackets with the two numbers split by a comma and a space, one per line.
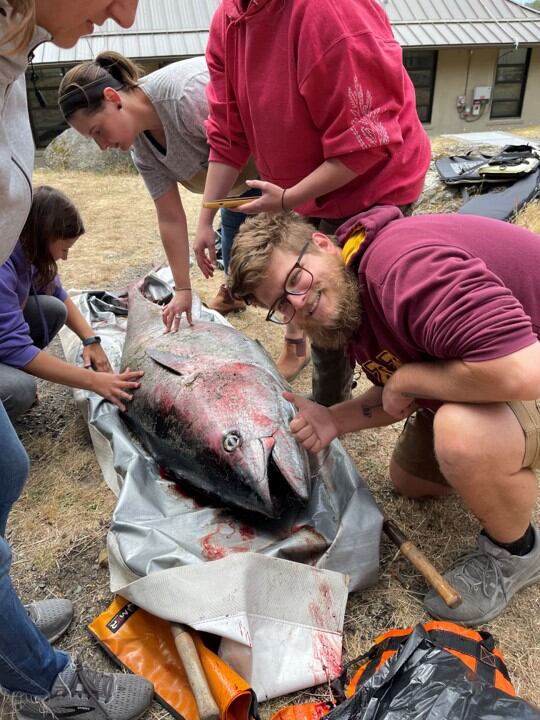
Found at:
[231, 441]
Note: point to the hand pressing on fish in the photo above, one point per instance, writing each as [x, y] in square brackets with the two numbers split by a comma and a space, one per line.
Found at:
[313, 426]
[117, 388]
[172, 313]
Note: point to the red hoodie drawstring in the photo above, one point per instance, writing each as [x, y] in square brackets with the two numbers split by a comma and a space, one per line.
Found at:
[232, 22]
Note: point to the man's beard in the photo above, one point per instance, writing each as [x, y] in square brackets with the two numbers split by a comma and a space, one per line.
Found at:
[335, 334]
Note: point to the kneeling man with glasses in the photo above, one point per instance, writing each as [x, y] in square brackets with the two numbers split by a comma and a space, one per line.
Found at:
[442, 313]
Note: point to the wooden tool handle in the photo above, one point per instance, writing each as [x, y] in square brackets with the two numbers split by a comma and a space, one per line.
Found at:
[206, 705]
[417, 558]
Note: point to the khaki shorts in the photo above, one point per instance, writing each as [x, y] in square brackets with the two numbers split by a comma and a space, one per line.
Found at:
[414, 451]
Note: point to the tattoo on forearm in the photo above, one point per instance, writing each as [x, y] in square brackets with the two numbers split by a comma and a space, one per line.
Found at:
[367, 410]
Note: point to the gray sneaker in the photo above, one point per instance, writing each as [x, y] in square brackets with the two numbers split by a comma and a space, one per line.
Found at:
[486, 579]
[79, 692]
[52, 617]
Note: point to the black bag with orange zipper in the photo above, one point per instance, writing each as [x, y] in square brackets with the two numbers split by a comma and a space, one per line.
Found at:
[429, 672]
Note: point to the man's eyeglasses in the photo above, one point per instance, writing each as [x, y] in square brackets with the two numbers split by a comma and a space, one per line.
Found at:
[298, 282]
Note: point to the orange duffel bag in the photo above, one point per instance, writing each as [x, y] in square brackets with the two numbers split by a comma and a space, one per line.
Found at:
[144, 644]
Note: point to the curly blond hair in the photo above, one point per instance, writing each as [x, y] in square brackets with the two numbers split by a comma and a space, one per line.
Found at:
[254, 244]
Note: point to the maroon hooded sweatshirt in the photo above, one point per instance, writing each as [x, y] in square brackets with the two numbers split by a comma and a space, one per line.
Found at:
[441, 287]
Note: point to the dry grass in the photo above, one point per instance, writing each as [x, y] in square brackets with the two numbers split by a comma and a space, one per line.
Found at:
[58, 527]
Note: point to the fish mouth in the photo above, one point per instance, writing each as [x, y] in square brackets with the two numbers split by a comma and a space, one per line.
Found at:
[267, 476]
[285, 477]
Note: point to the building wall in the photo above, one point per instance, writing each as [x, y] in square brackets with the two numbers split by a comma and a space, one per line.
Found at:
[459, 70]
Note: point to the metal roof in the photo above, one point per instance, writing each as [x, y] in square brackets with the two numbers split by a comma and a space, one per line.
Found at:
[162, 28]
[454, 23]
[165, 28]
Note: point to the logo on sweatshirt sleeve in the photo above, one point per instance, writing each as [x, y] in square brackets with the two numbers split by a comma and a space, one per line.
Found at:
[365, 124]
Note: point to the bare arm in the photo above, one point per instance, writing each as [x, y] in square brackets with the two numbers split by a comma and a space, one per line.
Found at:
[513, 377]
[330, 175]
[315, 426]
[113, 387]
[219, 181]
[174, 236]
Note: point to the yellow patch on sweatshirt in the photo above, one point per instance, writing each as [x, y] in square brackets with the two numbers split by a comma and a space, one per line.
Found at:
[352, 245]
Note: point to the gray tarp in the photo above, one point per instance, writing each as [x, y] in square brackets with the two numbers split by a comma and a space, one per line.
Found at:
[156, 529]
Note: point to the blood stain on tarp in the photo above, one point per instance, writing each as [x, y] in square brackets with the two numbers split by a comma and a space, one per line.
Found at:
[176, 489]
[328, 655]
[246, 532]
[211, 550]
[324, 616]
[310, 544]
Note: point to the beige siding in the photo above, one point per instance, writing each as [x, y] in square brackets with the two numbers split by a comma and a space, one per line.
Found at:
[459, 70]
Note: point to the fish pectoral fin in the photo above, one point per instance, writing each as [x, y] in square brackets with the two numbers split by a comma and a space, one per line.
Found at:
[169, 360]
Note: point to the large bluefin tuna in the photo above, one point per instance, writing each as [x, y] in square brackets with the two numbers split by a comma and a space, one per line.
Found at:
[210, 411]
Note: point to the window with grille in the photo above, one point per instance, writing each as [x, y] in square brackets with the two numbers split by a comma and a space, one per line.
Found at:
[422, 67]
[510, 82]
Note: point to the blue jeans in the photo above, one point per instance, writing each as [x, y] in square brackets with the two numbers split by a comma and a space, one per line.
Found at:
[230, 224]
[28, 663]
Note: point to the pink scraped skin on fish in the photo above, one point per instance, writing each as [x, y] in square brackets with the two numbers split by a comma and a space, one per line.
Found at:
[182, 393]
[166, 400]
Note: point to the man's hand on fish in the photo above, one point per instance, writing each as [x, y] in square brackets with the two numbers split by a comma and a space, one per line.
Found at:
[115, 387]
[94, 356]
[313, 426]
[172, 313]
[204, 248]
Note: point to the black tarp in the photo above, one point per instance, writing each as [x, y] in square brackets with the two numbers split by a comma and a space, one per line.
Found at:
[422, 681]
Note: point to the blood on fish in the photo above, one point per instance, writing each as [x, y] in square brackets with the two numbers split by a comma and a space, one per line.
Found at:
[182, 415]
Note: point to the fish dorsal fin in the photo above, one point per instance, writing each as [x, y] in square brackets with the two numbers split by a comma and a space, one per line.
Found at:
[176, 363]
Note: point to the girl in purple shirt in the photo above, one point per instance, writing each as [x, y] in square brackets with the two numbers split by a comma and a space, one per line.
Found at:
[34, 306]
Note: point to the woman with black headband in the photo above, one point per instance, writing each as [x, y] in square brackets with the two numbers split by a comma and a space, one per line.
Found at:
[160, 118]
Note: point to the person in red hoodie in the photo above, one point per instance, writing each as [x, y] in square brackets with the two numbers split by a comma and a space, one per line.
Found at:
[317, 93]
[442, 313]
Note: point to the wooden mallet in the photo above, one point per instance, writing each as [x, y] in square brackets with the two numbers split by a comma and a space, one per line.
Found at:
[206, 705]
[417, 558]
